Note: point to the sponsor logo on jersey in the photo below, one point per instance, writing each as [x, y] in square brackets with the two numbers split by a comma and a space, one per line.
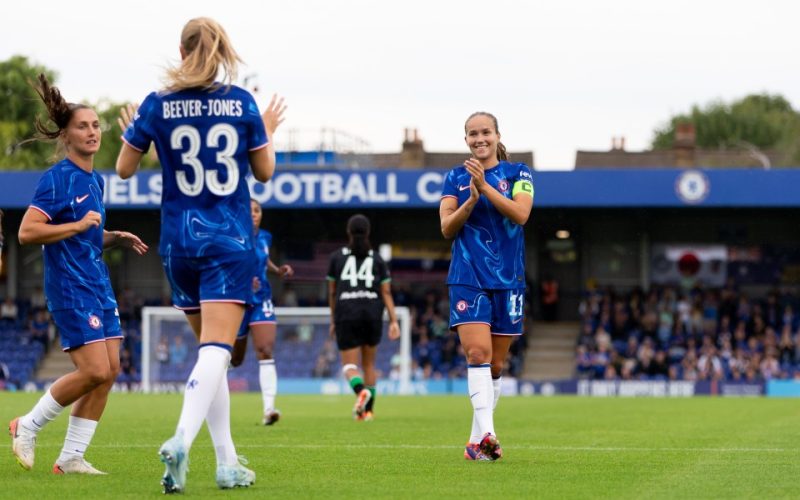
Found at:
[81, 199]
[358, 294]
[462, 188]
[95, 322]
[461, 306]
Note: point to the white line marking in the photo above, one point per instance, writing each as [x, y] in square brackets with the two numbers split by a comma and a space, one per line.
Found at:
[155, 446]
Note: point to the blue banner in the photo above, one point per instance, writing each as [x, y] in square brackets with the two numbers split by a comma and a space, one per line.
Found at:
[422, 188]
[783, 388]
[510, 387]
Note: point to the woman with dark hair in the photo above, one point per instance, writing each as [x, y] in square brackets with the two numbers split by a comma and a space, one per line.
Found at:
[485, 204]
[208, 134]
[67, 216]
[359, 287]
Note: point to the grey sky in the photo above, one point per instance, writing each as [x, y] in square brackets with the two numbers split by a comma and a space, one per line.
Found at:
[559, 75]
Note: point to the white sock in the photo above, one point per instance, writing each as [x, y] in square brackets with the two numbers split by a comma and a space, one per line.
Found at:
[497, 384]
[475, 434]
[268, 377]
[45, 410]
[479, 383]
[201, 388]
[79, 435]
[219, 425]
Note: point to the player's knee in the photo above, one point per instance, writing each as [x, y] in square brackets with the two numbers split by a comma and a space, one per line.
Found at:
[349, 368]
[478, 355]
[264, 352]
[99, 375]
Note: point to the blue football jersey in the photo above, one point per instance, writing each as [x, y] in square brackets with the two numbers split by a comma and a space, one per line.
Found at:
[489, 250]
[203, 139]
[263, 240]
[75, 275]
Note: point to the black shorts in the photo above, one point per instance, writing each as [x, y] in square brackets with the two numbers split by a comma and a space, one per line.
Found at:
[355, 333]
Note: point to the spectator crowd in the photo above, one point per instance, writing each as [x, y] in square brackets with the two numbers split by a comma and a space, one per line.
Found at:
[665, 333]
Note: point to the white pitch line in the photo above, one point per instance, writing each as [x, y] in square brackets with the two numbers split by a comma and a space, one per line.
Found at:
[451, 447]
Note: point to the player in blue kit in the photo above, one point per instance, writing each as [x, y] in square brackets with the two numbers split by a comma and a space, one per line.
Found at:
[67, 217]
[260, 321]
[484, 205]
[206, 134]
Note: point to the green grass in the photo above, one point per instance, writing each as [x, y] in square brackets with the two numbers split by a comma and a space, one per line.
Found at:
[561, 447]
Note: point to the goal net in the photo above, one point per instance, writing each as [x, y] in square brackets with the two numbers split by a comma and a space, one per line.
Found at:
[306, 358]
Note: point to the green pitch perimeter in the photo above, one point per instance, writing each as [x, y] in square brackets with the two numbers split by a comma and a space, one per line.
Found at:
[562, 447]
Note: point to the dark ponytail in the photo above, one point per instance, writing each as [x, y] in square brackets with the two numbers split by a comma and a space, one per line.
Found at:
[59, 111]
[502, 155]
[501, 152]
[358, 232]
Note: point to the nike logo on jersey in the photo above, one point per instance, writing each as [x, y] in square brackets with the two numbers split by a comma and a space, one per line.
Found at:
[462, 188]
[81, 199]
[473, 395]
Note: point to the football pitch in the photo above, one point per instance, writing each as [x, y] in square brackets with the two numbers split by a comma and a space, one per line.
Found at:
[560, 447]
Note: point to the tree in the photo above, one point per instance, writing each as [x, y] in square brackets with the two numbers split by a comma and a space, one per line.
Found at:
[18, 108]
[763, 121]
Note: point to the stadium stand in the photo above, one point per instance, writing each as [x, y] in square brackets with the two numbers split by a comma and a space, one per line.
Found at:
[21, 347]
[698, 334]
[659, 334]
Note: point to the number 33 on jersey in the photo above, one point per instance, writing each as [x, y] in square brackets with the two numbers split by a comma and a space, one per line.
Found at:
[203, 139]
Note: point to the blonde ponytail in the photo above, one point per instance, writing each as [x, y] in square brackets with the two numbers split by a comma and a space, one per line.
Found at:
[206, 48]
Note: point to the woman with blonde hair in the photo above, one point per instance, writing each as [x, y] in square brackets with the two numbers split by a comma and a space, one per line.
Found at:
[207, 134]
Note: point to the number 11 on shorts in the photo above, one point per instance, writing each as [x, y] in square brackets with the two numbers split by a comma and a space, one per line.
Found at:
[516, 302]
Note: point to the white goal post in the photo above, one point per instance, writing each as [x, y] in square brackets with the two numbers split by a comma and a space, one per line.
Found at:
[160, 325]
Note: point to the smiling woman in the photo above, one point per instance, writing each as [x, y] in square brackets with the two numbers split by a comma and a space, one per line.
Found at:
[484, 205]
[67, 216]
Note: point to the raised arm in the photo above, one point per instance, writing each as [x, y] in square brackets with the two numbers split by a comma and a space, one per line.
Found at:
[262, 160]
[517, 210]
[129, 157]
[35, 230]
[453, 217]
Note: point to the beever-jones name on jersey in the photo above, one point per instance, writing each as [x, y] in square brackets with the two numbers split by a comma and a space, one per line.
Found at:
[188, 108]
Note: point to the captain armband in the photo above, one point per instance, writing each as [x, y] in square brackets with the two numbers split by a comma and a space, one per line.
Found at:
[522, 186]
